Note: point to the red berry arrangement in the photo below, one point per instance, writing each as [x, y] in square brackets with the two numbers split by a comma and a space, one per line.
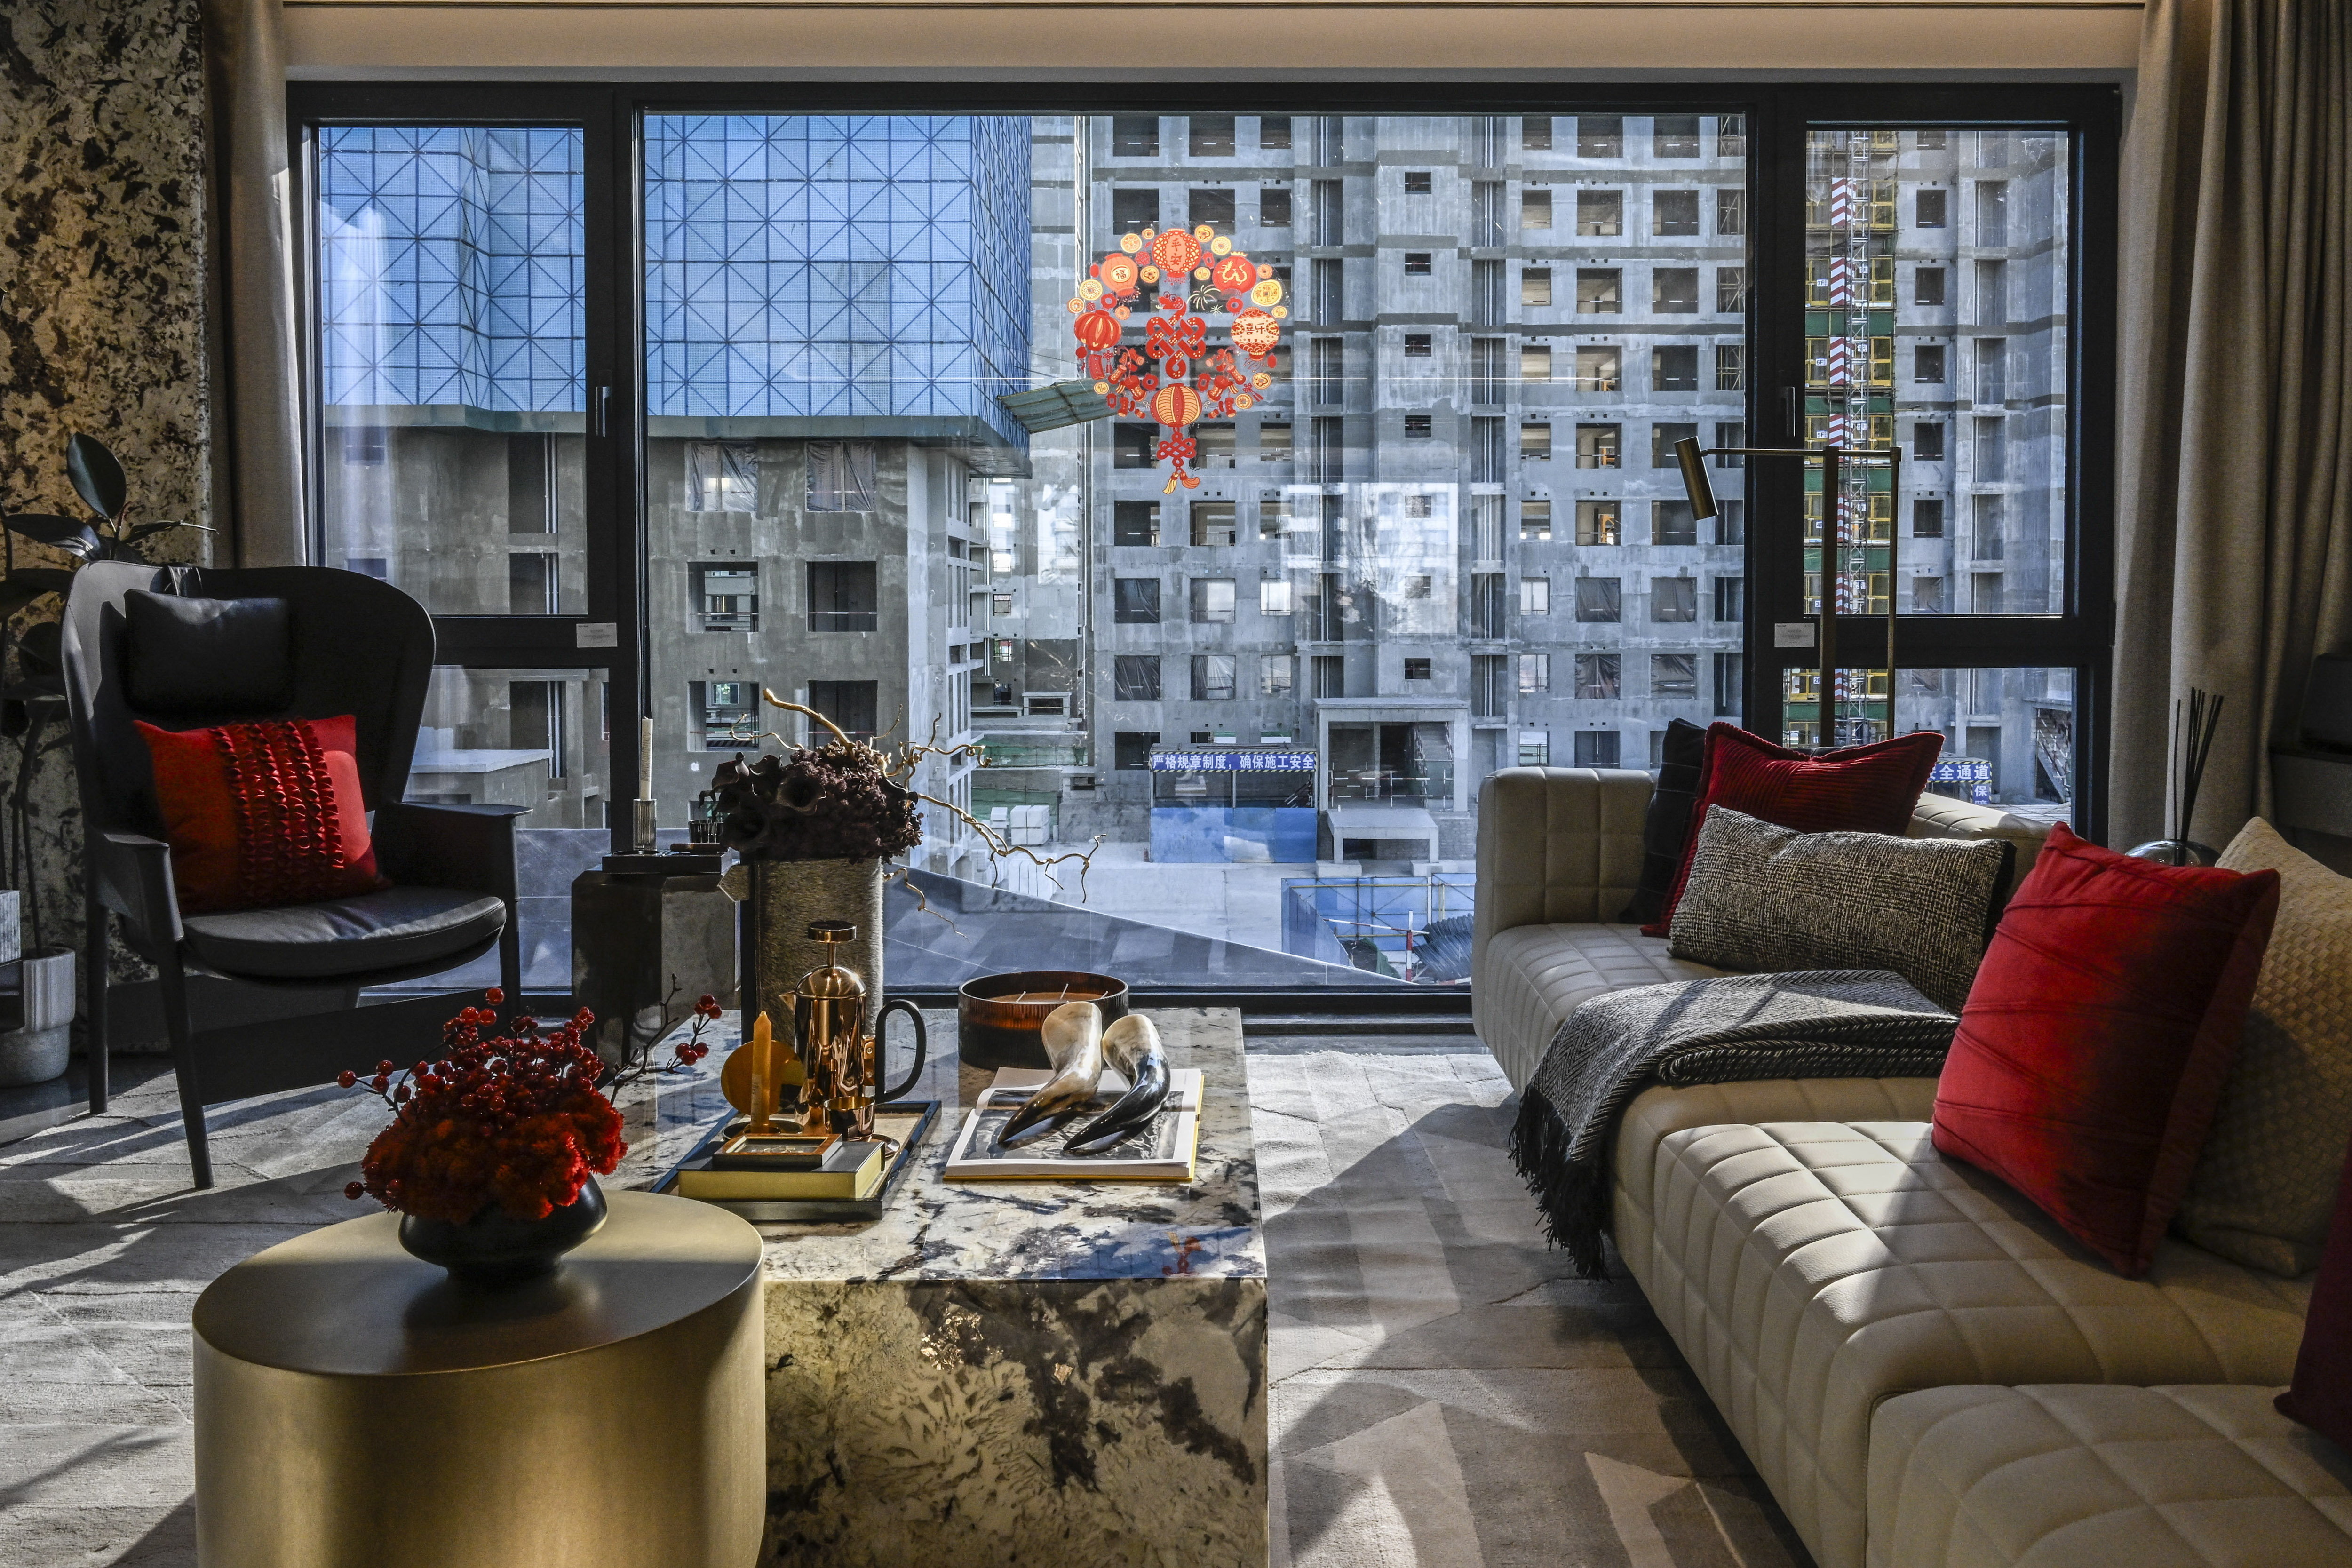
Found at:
[517, 1121]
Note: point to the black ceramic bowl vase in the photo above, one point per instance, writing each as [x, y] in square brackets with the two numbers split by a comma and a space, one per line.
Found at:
[494, 1248]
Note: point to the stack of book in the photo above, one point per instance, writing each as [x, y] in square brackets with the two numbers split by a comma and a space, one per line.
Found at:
[848, 1170]
[850, 1183]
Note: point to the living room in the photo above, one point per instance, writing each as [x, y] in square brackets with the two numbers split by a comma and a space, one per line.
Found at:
[1639, 714]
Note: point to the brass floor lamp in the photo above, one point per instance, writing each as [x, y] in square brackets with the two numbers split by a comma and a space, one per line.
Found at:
[1695, 484]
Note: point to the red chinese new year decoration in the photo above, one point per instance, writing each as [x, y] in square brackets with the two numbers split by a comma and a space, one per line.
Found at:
[1178, 376]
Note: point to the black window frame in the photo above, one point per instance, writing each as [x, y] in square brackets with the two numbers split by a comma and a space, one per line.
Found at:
[1776, 117]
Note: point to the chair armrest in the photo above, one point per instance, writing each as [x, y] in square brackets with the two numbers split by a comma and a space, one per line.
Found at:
[471, 847]
[134, 875]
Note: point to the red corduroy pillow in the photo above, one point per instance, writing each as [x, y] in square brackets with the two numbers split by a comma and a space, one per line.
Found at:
[2321, 1395]
[1861, 789]
[263, 815]
[2096, 1038]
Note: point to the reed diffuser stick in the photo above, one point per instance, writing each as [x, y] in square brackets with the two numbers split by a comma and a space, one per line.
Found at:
[2193, 743]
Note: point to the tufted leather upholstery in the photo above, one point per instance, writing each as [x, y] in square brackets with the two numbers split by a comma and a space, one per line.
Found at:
[1558, 852]
[2073, 1476]
[1535, 975]
[1940, 816]
[1811, 1268]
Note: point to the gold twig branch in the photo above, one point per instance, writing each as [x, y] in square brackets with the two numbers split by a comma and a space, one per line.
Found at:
[901, 764]
[838, 733]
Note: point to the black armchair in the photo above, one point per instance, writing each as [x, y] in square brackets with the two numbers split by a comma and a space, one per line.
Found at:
[348, 644]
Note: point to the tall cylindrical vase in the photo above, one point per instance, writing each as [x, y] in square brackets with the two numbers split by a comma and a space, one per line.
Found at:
[784, 897]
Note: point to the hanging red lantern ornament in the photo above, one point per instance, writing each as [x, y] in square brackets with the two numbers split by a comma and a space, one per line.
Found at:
[1176, 252]
[1256, 334]
[1176, 406]
[1117, 273]
[1097, 330]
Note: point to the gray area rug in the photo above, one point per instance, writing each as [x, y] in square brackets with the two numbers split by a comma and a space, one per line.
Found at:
[1446, 1393]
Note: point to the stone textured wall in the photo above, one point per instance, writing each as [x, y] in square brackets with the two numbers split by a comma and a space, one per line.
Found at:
[102, 308]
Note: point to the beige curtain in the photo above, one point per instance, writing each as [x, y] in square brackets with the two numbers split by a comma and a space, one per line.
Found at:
[256, 375]
[2235, 503]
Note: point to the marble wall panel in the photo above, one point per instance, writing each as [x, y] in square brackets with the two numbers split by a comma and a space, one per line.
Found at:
[102, 314]
[1006, 1424]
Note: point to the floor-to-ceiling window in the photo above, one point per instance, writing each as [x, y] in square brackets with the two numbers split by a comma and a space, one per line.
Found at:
[872, 422]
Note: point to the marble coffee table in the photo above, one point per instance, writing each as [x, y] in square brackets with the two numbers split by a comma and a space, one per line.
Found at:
[1017, 1373]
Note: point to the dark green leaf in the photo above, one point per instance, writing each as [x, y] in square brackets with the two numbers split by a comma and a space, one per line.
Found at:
[67, 534]
[15, 594]
[97, 477]
[42, 646]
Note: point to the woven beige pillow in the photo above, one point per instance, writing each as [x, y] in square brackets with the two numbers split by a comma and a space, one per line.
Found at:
[2266, 1184]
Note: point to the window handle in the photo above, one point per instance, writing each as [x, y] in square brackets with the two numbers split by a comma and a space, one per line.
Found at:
[604, 410]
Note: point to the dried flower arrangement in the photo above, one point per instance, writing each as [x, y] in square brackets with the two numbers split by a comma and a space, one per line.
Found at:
[844, 800]
[517, 1123]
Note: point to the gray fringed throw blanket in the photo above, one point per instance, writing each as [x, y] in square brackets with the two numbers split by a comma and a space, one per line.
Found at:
[1818, 1023]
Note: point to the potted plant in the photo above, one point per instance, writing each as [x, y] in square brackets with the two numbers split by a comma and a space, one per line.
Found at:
[818, 827]
[493, 1153]
[98, 478]
[37, 1014]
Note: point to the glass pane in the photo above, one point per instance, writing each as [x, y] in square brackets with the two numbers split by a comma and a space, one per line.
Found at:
[930, 446]
[451, 342]
[2009, 734]
[535, 738]
[1937, 323]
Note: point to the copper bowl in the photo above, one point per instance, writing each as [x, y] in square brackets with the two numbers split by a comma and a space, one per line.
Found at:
[998, 1016]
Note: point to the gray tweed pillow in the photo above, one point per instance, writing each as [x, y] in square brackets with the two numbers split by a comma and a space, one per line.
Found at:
[1764, 898]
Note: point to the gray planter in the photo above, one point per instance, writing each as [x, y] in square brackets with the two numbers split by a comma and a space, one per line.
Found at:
[36, 1050]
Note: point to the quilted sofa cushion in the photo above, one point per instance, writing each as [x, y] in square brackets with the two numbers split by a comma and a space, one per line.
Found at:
[1536, 975]
[2073, 1476]
[1811, 1268]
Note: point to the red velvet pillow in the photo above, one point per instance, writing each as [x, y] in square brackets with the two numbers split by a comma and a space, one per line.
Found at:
[1861, 789]
[2102, 1023]
[263, 815]
[2321, 1395]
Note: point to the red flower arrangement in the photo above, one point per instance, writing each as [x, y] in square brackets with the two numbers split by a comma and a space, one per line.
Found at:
[517, 1121]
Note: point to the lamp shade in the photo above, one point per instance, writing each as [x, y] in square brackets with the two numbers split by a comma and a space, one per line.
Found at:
[1694, 479]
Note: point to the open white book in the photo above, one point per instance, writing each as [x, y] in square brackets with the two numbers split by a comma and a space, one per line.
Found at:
[1161, 1152]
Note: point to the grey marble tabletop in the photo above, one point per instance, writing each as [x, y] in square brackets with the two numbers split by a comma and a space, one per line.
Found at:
[935, 1229]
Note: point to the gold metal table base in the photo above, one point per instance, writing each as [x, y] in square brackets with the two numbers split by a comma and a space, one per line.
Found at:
[356, 1409]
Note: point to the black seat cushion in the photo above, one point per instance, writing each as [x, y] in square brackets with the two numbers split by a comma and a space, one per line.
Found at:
[394, 928]
[186, 655]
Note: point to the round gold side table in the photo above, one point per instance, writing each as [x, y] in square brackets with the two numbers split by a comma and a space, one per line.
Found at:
[355, 1407]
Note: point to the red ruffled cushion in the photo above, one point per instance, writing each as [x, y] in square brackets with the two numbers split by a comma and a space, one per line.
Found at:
[260, 815]
[2095, 1039]
[1860, 789]
[2321, 1395]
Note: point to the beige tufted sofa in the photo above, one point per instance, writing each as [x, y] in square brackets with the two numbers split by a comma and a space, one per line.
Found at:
[1558, 852]
[1919, 1363]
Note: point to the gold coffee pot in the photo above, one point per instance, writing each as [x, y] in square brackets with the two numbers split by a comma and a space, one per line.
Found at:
[841, 1060]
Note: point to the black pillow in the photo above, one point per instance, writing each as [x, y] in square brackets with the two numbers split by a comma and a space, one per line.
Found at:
[208, 656]
[1668, 824]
